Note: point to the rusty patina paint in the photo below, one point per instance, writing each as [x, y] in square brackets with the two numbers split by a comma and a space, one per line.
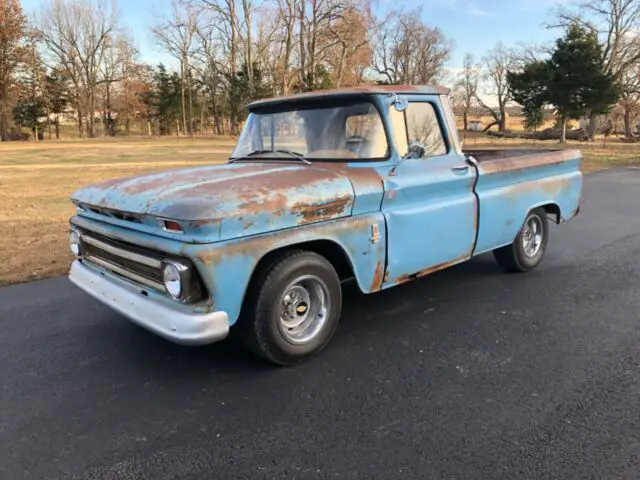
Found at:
[227, 267]
[378, 276]
[511, 185]
[319, 212]
[361, 90]
[423, 273]
[236, 200]
[204, 222]
[497, 161]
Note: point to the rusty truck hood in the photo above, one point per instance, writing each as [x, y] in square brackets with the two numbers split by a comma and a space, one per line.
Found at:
[233, 200]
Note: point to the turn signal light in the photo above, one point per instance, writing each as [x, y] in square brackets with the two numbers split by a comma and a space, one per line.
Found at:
[172, 226]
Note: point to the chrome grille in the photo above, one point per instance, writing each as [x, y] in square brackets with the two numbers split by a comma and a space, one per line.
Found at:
[138, 267]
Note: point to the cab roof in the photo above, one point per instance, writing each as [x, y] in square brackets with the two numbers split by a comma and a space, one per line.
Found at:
[351, 91]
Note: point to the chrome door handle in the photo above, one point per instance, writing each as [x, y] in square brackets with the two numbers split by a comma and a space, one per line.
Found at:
[461, 168]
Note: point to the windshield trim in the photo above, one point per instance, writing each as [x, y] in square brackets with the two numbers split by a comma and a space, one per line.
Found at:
[318, 103]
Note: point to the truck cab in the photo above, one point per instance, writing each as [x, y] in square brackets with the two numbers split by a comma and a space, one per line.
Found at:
[368, 183]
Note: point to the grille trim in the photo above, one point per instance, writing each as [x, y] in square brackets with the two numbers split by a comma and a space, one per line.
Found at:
[150, 262]
[133, 266]
[128, 274]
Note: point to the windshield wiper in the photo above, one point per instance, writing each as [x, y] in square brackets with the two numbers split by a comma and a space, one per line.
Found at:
[255, 153]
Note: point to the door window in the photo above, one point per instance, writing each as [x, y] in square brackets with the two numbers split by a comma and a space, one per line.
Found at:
[423, 126]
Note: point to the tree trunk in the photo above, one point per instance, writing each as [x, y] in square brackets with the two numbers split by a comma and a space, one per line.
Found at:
[502, 122]
[190, 102]
[287, 46]
[149, 127]
[593, 124]
[182, 99]
[303, 50]
[4, 125]
[57, 126]
[628, 133]
[202, 129]
[233, 66]
[563, 130]
[465, 119]
[48, 121]
[92, 109]
[125, 75]
[246, 6]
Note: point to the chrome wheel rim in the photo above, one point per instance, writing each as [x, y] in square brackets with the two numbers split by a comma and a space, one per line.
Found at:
[303, 309]
[532, 236]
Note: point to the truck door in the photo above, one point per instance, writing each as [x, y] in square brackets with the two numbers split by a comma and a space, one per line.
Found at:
[430, 205]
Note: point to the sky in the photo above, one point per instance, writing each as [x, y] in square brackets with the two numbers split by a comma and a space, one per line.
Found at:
[474, 26]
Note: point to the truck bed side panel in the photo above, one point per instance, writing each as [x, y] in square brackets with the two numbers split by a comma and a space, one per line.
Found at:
[507, 194]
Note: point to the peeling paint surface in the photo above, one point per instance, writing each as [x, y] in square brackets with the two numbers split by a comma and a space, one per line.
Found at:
[507, 195]
[431, 216]
[230, 201]
[432, 213]
[351, 91]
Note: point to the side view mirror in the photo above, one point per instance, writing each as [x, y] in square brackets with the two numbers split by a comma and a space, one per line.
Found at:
[416, 150]
[400, 103]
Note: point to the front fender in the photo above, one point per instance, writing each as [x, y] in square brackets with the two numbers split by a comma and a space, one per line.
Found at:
[227, 267]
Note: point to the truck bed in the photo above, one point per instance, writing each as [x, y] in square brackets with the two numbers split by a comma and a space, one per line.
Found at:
[503, 160]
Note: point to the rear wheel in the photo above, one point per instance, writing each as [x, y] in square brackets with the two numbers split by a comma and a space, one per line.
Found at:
[293, 307]
[528, 249]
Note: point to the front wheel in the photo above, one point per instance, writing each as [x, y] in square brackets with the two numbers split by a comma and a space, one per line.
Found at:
[293, 307]
[528, 249]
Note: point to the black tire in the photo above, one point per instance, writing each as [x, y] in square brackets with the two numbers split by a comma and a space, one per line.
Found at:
[261, 326]
[513, 258]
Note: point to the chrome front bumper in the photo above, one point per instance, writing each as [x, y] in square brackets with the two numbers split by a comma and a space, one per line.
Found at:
[172, 324]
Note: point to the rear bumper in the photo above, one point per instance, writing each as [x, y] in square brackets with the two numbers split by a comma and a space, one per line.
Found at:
[172, 324]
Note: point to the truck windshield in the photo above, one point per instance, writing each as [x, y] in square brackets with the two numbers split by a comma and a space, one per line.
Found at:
[348, 131]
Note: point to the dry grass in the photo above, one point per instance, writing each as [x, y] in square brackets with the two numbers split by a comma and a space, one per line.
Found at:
[36, 181]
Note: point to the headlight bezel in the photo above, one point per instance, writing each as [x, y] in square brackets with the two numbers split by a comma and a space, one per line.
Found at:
[190, 289]
[174, 286]
[78, 250]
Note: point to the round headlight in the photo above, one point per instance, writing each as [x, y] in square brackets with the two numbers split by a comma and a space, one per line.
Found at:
[172, 280]
[74, 243]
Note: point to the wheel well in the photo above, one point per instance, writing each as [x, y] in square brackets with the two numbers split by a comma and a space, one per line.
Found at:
[327, 248]
[553, 209]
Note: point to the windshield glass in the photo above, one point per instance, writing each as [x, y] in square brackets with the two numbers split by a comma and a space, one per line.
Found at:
[349, 131]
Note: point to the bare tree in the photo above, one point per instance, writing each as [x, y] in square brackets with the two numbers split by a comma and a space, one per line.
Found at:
[223, 15]
[286, 16]
[494, 75]
[12, 30]
[466, 87]
[76, 36]
[129, 69]
[353, 52]
[109, 75]
[408, 51]
[175, 34]
[630, 101]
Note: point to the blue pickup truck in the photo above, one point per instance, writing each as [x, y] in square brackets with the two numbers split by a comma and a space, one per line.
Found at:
[368, 184]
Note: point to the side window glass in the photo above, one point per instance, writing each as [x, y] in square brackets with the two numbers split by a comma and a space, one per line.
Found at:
[423, 127]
